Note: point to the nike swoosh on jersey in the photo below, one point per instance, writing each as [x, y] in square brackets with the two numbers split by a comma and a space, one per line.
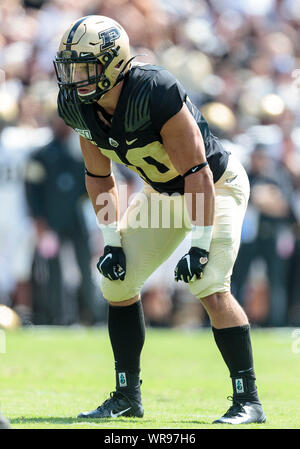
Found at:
[115, 415]
[130, 142]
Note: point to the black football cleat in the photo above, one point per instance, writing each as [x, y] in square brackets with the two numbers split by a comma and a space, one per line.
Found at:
[242, 412]
[117, 405]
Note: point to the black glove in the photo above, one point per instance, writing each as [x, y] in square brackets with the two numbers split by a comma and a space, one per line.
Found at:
[112, 264]
[191, 265]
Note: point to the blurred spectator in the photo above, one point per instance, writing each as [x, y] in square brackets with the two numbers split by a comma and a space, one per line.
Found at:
[17, 142]
[265, 232]
[293, 163]
[55, 185]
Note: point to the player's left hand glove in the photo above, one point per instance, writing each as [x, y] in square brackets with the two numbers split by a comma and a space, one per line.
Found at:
[112, 264]
[191, 266]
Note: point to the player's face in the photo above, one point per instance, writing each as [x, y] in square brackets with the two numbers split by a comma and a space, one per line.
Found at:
[82, 72]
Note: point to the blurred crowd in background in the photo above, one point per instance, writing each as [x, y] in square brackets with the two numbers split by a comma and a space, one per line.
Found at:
[240, 63]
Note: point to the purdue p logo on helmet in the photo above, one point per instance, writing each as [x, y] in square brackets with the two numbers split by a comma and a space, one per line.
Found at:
[92, 58]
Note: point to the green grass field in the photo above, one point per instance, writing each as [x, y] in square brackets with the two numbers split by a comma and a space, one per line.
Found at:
[49, 375]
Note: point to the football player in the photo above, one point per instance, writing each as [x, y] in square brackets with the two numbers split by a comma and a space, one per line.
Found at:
[139, 115]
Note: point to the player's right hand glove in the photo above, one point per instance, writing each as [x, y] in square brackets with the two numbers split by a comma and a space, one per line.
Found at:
[112, 264]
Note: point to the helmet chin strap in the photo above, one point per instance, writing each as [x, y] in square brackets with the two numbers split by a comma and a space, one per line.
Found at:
[122, 74]
[119, 79]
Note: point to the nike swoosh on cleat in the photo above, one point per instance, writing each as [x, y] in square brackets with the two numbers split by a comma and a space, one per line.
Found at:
[130, 142]
[245, 370]
[115, 415]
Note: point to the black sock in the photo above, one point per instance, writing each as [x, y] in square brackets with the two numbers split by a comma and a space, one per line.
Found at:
[234, 344]
[126, 328]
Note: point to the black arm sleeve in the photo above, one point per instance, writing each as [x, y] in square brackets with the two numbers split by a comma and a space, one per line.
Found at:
[167, 98]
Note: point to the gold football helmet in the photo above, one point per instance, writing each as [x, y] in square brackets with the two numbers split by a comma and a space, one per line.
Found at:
[93, 56]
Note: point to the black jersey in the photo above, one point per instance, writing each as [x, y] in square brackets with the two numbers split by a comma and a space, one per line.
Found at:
[150, 96]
